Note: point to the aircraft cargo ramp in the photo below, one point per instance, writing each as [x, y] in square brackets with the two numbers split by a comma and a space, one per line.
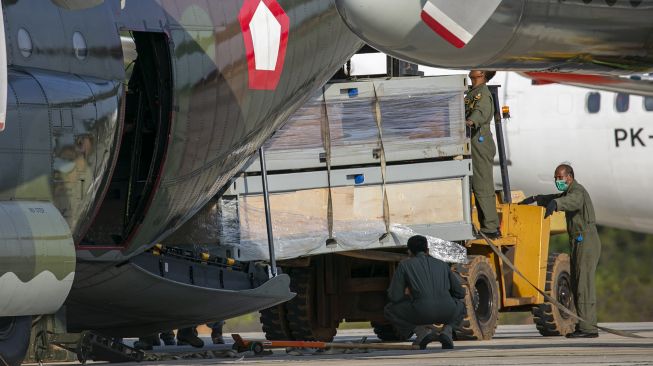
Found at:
[150, 285]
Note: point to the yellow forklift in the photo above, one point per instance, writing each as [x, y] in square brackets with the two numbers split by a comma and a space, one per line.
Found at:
[493, 287]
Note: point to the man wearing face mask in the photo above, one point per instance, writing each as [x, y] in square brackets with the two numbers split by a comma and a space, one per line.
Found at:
[479, 111]
[583, 239]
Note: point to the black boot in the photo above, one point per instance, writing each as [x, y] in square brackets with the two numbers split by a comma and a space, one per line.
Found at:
[168, 338]
[431, 337]
[581, 334]
[493, 235]
[446, 337]
[189, 336]
[216, 332]
[146, 343]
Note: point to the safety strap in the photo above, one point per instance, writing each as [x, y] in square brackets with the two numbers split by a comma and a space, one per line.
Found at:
[549, 298]
[326, 141]
[386, 206]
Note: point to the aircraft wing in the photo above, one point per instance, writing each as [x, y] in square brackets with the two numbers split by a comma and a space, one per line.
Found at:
[630, 85]
[607, 37]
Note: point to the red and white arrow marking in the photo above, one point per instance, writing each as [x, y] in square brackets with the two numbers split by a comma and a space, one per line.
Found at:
[458, 21]
[265, 28]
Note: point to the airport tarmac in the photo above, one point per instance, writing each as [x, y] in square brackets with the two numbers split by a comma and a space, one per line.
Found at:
[512, 345]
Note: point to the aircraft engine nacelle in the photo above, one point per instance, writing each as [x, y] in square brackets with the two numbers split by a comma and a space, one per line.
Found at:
[37, 258]
[604, 36]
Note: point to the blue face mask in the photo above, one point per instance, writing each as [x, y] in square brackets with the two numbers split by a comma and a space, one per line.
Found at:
[562, 185]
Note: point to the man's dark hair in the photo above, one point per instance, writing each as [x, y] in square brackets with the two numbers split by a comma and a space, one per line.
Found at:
[567, 169]
[418, 243]
[489, 75]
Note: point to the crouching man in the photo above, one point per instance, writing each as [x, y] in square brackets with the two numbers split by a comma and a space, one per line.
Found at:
[425, 291]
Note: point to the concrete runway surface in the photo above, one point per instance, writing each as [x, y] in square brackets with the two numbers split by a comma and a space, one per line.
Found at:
[512, 345]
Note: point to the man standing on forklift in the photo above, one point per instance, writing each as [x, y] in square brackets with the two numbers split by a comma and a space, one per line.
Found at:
[479, 111]
[424, 291]
[583, 239]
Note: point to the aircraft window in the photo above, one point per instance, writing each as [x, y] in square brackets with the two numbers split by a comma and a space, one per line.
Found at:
[593, 102]
[648, 103]
[79, 45]
[24, 42]
[622, 102]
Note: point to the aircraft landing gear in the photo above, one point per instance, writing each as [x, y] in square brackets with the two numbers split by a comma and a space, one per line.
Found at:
[14, 339]
[88, 346]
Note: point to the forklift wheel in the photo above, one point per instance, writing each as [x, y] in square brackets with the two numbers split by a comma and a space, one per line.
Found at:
[301, 309]
[481, 299]
[549, 320]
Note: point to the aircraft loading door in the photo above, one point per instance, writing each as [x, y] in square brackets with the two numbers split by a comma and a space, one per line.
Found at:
[145, 133]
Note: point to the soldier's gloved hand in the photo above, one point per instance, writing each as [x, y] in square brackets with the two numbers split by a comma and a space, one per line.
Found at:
[550, 208]
[528, 201]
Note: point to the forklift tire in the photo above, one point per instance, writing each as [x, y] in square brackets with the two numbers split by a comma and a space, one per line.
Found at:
[388, 333]
[549, 320]
[14, 339]
[275, 325]
[300, 310]
[481, 299]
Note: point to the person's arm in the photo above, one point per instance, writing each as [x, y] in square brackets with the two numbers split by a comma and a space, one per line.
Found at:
[572, 201]
[456, 289]
[396, 291]
[482, 111]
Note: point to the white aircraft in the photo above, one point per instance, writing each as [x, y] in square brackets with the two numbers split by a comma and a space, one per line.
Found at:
[606, 136]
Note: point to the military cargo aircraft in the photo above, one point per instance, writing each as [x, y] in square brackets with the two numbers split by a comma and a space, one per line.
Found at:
[124, 119]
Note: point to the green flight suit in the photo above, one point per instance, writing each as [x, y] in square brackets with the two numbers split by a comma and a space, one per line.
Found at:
[436, 295]
[585, 248]
[479, 108]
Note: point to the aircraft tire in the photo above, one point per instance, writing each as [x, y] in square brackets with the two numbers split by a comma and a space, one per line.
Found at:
[547, 318]
[275, 324]
[300, 309]
[388, 333]
[14, 339]
[481, 299]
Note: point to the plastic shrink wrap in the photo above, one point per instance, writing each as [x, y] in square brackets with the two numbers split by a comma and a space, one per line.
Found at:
[420, 119]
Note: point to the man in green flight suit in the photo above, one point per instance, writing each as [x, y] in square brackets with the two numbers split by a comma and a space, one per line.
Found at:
[424, 291]
[479, 111]
[583, 239]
